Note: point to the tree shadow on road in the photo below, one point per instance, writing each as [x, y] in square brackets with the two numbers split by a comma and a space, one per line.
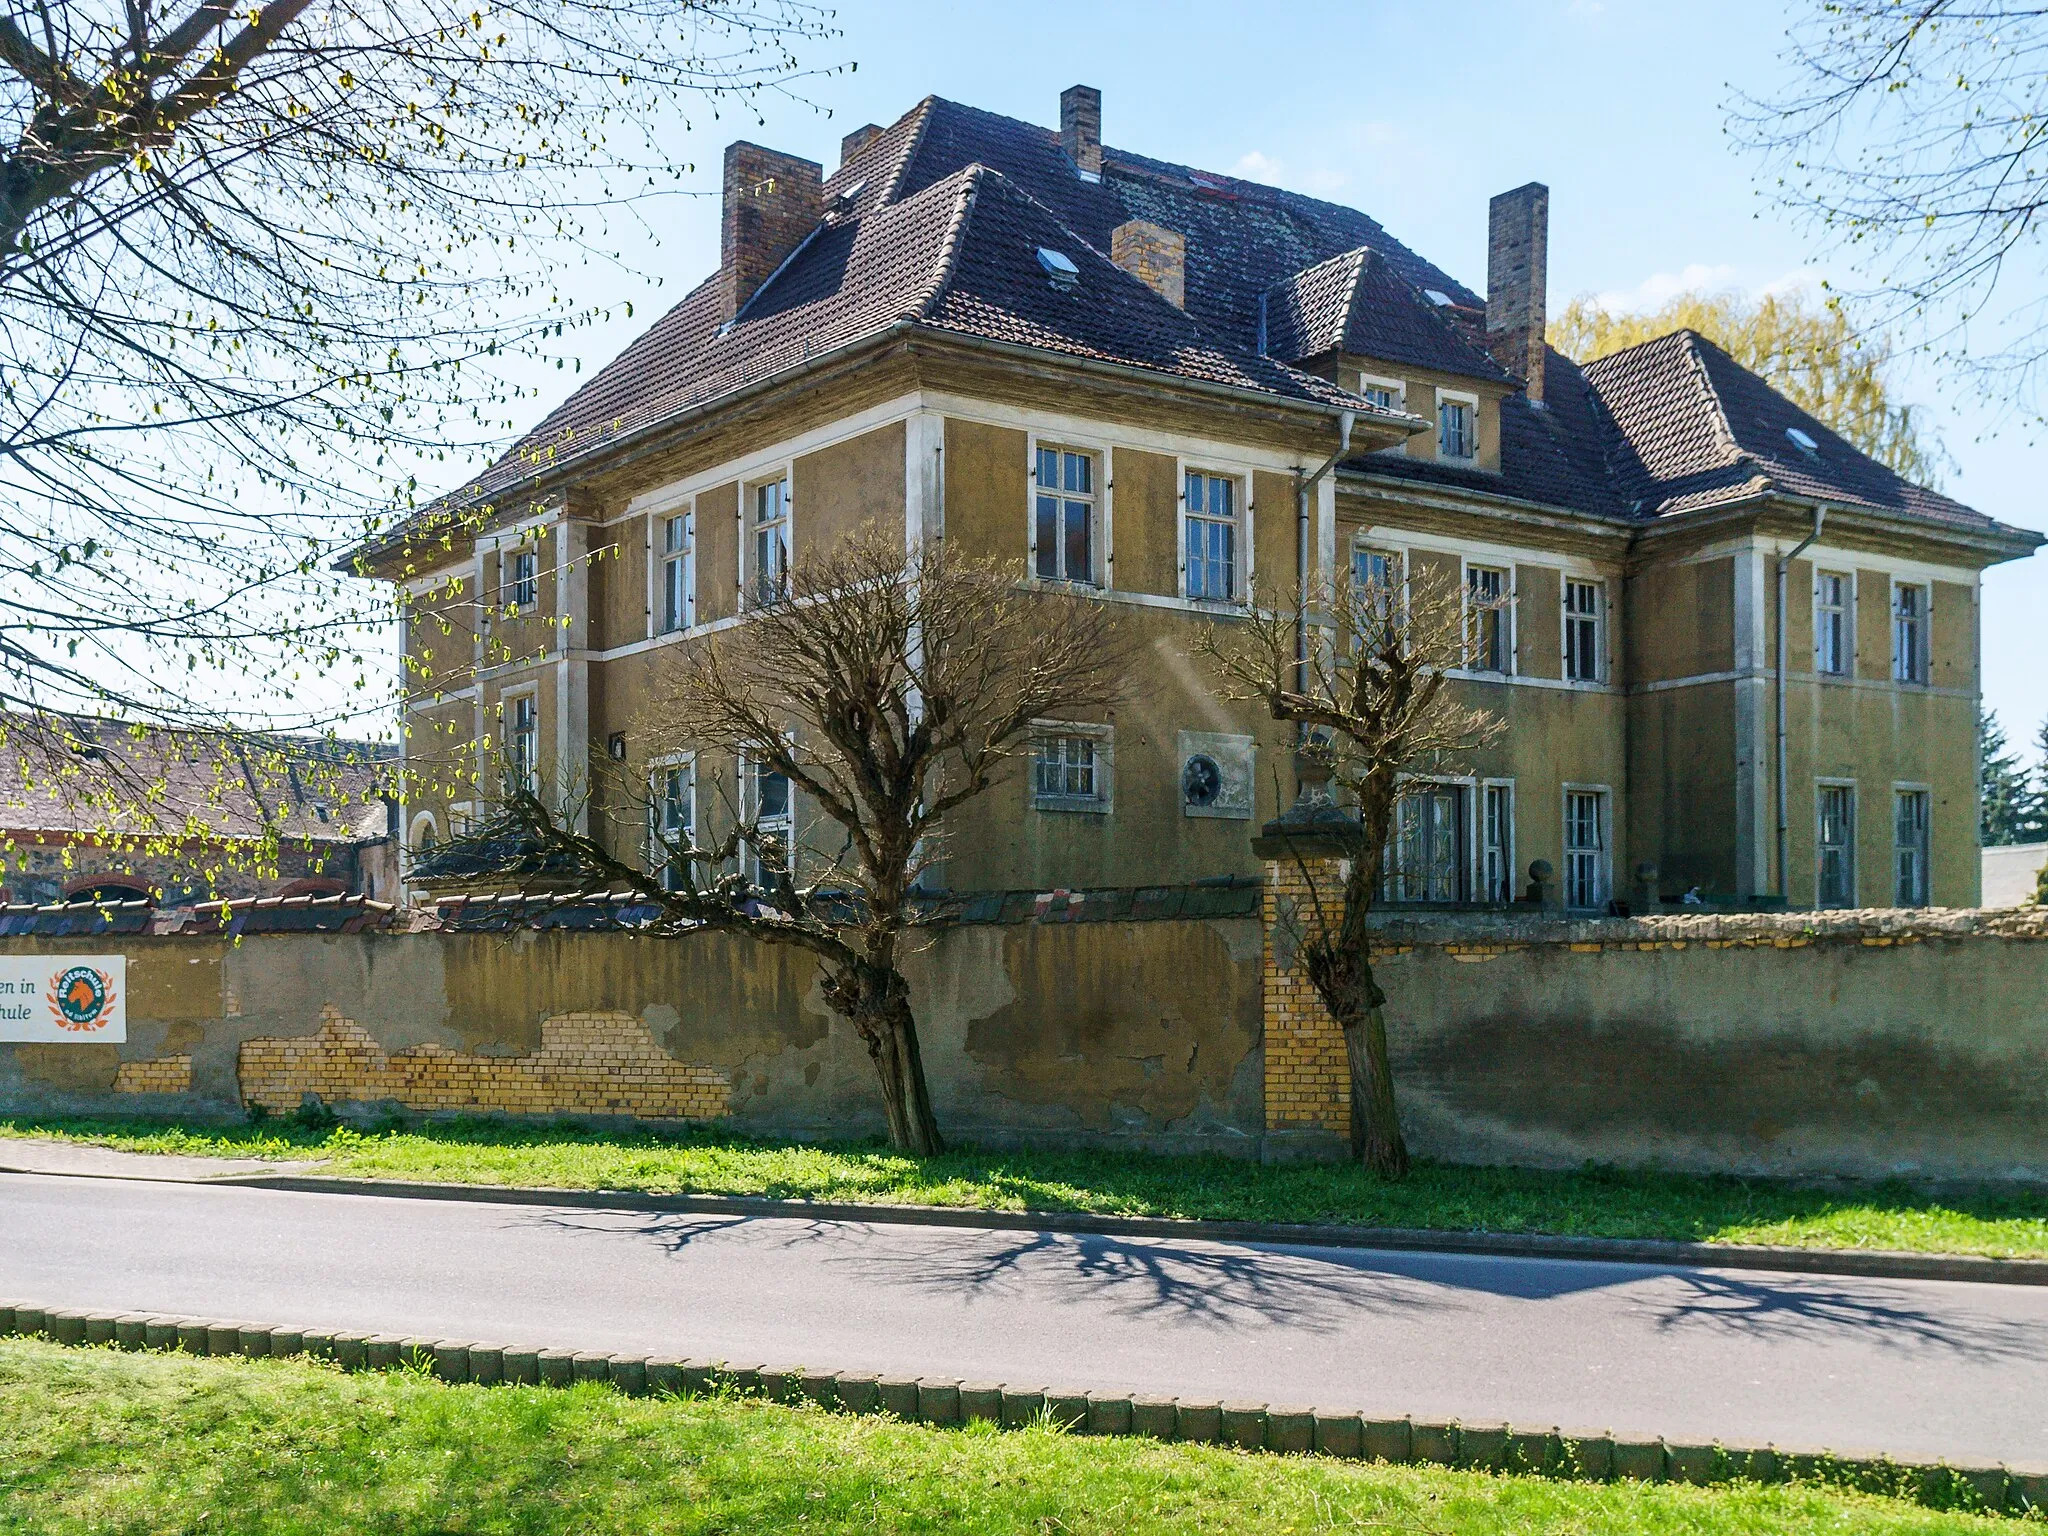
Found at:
[1818, 1310]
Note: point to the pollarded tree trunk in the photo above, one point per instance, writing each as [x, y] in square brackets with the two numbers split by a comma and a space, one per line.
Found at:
[876, 1001]
[1355, 1001]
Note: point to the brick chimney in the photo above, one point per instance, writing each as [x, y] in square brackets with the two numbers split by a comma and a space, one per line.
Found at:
[1155, 255]
[772, 201]
[1081, 127]
[858, 140]
[1517, 276]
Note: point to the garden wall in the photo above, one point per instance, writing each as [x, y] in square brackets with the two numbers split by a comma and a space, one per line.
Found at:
[1858, 1044]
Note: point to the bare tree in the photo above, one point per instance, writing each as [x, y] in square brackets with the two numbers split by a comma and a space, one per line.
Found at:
[1362, 667]
[261, 265]
[888, 689]
[1911, 135]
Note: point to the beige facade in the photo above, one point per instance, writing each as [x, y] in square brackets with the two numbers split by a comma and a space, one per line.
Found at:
[1669, 729]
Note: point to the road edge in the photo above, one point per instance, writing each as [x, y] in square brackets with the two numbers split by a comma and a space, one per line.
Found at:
[1565, 1454]
[1659, 1252]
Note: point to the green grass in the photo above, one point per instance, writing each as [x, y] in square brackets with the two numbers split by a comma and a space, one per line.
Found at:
[1589, 1202]
[107, 1443]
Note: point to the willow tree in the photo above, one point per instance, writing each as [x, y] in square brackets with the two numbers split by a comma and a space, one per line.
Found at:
[261, 267]
[887, 689]
[1804, 348]
[1363, 669]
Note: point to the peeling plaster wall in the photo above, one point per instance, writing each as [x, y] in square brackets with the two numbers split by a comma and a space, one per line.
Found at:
[1142, 1033]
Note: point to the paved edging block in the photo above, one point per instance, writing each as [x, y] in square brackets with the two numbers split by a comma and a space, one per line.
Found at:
[1566, 1453]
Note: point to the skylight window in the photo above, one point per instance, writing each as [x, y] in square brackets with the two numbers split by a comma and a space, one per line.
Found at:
[1803, 441]
[1059, 266]
[1436, 296]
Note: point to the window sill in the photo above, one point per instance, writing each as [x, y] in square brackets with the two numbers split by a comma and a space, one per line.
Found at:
[1074, 807]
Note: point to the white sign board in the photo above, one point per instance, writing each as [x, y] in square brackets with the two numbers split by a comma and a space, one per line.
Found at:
[63, 998]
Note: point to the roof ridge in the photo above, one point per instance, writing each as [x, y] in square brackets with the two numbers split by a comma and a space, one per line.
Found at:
[923, 113]
[946, 267]
[1717, 408]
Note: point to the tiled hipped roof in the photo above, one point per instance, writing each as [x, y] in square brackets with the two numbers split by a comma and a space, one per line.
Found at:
[936, 223]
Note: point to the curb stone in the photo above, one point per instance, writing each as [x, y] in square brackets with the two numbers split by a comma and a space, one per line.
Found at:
[1659, 1252]
[1569, 1454]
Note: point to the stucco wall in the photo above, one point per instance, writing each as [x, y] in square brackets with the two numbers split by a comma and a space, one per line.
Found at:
[1120, 1032]
[1864, 1045]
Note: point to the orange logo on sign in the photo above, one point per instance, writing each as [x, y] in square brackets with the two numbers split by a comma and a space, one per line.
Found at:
[81, 999]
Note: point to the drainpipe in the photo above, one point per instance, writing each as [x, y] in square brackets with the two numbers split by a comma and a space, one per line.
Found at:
[1302, 486]
[1785, 564]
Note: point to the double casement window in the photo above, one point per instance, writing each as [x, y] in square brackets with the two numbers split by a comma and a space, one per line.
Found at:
[1835, 842]
[1585, 849]
[678, 573]
[673, 811]
[1910, 848]
[1063, 523]
[1909, 633]
[1583, 642]
[768, 541]
[1486, 589]
[1425, 858]
[1070, 768]
[522, 580]
[522, 741]
[1497, 844]
[1211, 536]
[1375, 594]
[767, 805]
[1834, 608]
[1457, 434]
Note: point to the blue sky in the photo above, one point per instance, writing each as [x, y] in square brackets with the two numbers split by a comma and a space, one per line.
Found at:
[1416, 114]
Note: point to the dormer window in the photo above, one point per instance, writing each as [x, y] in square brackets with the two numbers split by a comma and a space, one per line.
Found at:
[1457, 434]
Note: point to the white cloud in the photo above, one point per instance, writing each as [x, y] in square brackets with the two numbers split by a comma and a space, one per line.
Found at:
[1259, 166]
[1661, 287]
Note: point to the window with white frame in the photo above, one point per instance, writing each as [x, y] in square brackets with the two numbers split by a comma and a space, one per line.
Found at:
[1909, 633]
[1486, 590]
[1384, 393]
[768, 541]
[769, 808]
[1497, 844]
[522, 741]
[1063, 521]
[1585, 849]
[673, 811]
[1910, 847]
[1457, 434]
[1425, 858]
[1375, 585]
[1833, 611]
[1211, 536]
[1835, 843]
[1070, 768]
[678, 573]
[1584, 645]
[522, 579]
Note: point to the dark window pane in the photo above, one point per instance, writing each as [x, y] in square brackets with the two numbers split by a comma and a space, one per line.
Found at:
[1077, 551]
[1048, 537]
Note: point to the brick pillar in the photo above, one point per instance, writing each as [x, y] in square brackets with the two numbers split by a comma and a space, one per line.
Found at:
[1308, 1080]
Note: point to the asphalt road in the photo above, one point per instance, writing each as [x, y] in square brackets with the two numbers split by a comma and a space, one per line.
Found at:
[1908, 1367]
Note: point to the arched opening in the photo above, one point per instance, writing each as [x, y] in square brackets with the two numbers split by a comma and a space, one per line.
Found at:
[315, 885]
[425, 835]
[107, 889]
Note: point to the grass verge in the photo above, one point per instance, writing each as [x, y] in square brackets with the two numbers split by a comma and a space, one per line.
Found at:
[1592, 1202]
[102, 1442]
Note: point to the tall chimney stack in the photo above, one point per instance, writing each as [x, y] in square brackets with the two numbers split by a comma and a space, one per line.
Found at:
[1081, 128]
[1517, 277]
[772, 202]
